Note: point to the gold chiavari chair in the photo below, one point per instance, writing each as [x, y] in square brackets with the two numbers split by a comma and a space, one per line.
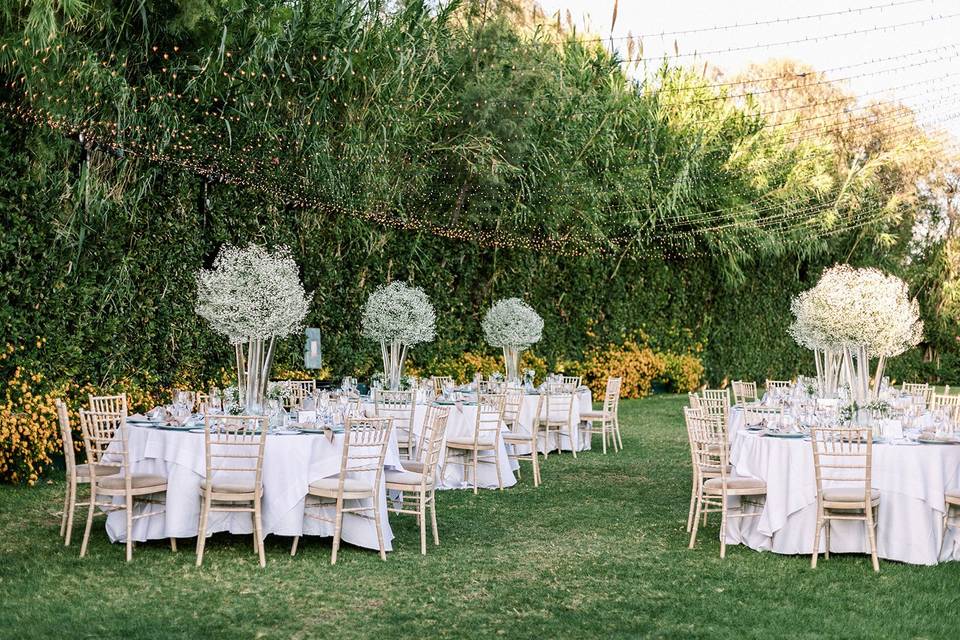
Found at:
[715, 483]
[484, 445]
[554, 415]
[233, 482]
[778, 384]
[76, 473]
[439, 382]
[515, 436]
[109, 404]
[607, 417]
[916, 389]
[744, 392]
[300, 390]
[419, 487]
[401, 407]
[843, 461]
[105, 441]
[365, 442]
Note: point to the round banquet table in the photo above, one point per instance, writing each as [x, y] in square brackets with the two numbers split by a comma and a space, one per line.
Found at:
[290, 464]
[912, 480]
[462, 422]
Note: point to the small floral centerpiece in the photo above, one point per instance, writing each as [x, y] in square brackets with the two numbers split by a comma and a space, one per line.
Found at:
[855, 315]
[253, 296]
[398, 316]
[512, 325]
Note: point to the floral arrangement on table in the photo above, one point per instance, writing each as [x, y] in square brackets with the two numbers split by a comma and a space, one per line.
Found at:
[253, 296]
[851, 316]
[399, 317]
[280, 390]
[514, 326]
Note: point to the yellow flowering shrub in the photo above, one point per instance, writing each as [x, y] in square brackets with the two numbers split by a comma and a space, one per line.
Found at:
[29, 432]
[638, 367]
[463, 368]
[682, 372]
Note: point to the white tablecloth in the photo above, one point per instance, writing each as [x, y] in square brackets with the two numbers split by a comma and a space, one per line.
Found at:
[912, 480]
[581, 404]
[290, 464]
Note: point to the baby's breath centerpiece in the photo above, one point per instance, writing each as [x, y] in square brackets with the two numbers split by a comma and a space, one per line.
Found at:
[512, 325]
[398, 316]
[253, 296]
[859, 314]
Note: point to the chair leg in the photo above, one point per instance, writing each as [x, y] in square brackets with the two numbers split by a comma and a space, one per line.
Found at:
[433, 516]
[872, 537]
[173, 545]
[293, 547]
[816, 543]
[86, 530]
[422, 517]
[696, 521]
[573, 443]
[258, 532]
[603, 435]
[71, 507]
[616, 427]
[129, 513]
[693, 503]
[723, 530]
[336, 531]
[496, 461]
[66, 507]
[535, 458]
[475, 453]
[826, 538]
[202, 530]
[376, 519]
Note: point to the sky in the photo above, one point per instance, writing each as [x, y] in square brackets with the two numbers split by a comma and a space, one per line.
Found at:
[924, 71]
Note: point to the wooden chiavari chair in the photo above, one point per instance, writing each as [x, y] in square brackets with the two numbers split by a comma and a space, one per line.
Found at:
[484, 445]
[105, 441]
[693, 400]
[401, 407]
[202, 401]
[785, 385]
[916, 389]
[573, 382]
[233, 482]
[365, 442]
[514, 435]
[300, 390]
[744, 392]
[439, 382]
[715, 483]
[715, 402]
[76, 473]
[419, 487]
[762, 416]
[843, 460]
[949, 402]
[607, 417]
[951, 507]
[109, 404]
[554, 415]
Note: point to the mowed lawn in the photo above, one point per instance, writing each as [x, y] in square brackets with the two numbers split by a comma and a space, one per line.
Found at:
[598, 551]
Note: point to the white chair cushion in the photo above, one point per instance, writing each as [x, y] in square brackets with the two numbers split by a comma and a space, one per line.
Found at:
[103, 470]
[848, 494]
[137, 481]
[592, 415]
[403, 477]
[329, 486]
[953, 497]
[413, 465]
[228, 487]
[715, 485]
[460, 443]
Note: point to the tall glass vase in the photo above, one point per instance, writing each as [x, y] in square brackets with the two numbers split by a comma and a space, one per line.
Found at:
[394, 353]
[254, 357]
[511, 363]
[856, 363]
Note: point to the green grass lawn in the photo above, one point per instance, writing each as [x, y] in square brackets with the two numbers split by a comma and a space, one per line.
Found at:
[598, 551]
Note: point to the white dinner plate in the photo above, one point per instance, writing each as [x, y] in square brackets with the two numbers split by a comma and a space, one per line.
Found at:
[777, 434]
[287, 432]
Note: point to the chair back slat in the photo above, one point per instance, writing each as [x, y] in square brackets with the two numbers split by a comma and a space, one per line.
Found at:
[233, 449]
[843, 457]
[439, 382]
[707, 434]
[490, 407]
[400, 406]
[66, 434]
[365, 442]
[611, 397]
[556, 406]
[512, 405]
[433, 450]
[108, 404]
[105, 439]
[744, 392]
[778, 384]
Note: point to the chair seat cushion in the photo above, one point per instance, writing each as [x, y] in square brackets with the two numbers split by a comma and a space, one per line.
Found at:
[413, 465]
[403, 477]
[953, 497]
[229, 487]
[517, 437]
[352, 488]
[103, 470]
[467, 443]
[848, 494]
[737, 484]
[592, 415]
[137, 481]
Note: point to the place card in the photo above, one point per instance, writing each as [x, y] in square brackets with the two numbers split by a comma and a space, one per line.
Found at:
[306, 417]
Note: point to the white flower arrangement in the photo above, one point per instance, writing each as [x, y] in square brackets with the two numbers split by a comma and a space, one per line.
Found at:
[512, 323]
[252, 293]
[857, 308]
[279, 390]
[397, 312]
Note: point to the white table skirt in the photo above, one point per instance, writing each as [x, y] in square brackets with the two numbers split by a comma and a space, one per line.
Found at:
[290, 464]
[912, 480]
[558, 441]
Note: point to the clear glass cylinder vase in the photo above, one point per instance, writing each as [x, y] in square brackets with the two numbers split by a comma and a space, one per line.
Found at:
[394, 353]
[511, 363]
